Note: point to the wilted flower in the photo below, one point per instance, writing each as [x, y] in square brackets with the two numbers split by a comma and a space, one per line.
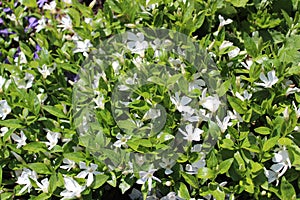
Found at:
[88, 171]
[73, 189]
[268, 82]
[21, 140]
[5, 109]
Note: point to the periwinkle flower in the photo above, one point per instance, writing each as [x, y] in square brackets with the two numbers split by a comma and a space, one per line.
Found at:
[35, 54]
[41, 3]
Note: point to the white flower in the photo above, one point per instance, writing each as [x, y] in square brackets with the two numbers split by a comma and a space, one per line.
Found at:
[5, 109]
[52, 138]
[24, 179]
[196, 84]
[225, 44]
[233, 53]
[69, 164]
[297, 110]
[42, 23]
[68, 1]
[191, 134]
[2, 81]
[181, 103]
[25, 82]
[88, 171]
[224, 22]
[152, 113]
[289, 90]
[223, 125]
[190, 117]
[22, 58]
[246, 96]
[43, 186]
[211, 103]
[73, 189]
[83, 46]
[45, 71]
[167, 164]
[122, 140]
[147, 177]
[286, 113]
[268, 82]
[247, 64]
[100, 101]
[3, 130]
[193, 169]
[51, 6]
[66, 23]
[136, 43]
[20, 140]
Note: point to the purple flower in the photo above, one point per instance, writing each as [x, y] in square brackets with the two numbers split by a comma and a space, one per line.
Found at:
[17, 52]
[4, 32]
[41, 3]
[37, 49]
[33, 22]
[7, 10]
[72, 77]
[1, 21]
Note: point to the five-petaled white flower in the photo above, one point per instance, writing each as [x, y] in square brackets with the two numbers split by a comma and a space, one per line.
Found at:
[191, 134]
[69, 164]
[51, 6]
[246, 96]
[147, 177]
[181, 103]
[136, 43]
[73, 189]
[20, 140]
[43, 186]
[88, 171]
[52, 138]
[45, 71]
[223, 125]
[83, 47]
[122, 140]
[224, 22]
[211, 103]
[66, 23]
[167, 164]
[5, 109]
[268, 82]
[24, 179]
[25, 82]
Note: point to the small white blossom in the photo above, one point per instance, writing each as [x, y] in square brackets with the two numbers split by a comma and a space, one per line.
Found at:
[73, 189]
[3, 130]
[25, 82]
[268, 82]
[191, 134]
[152, 113]
[194, 167]
[66, 23]
[83, 46]
[70, 164]
[167, 164]
[122, 140]
[51, 6]
[147, 177]
[224, 22]
[181, 103]
[100, 101]
[42, 23]
[223, 125]
[21, 140]
[21, 57]
[43, 186]
[24, 179]
[52, 138]
[5, 109]
[45, 71]
[225, 44]
[233, 53]
[136, 43]
[297, 110]
[211, 103]
[246, 96]
[88, 171]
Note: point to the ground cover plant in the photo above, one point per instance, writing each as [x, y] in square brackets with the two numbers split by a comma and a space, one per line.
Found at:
[149, 99]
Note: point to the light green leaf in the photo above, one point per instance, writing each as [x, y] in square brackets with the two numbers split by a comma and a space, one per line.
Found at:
[287, 190]
[54, 111]
[183, 191]
[100, 179]
[40, 168]
[238, 3]
[225, 165]
[263, 130]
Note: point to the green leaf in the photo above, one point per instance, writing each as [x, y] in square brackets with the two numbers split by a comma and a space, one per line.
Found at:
[238, 3]
[54, 111]
[35, 147]
[287, 190]
[285, 141]
[190, 179]
[29, 3]
[236, 104]
[100, 179]
[225, 165]
[11, 123]
[183, 191]
[75, 156]
[270, 143]
[250, 45]
[263, 130]
[39, 168]
[6, 195]
[206, 173]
